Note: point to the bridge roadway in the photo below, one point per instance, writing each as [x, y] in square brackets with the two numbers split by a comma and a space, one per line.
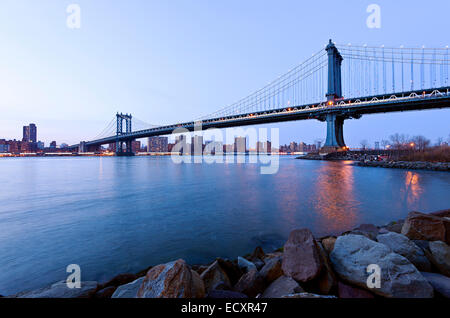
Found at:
[348, 108]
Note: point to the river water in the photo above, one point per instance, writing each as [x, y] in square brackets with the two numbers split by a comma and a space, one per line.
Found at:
[113, 215]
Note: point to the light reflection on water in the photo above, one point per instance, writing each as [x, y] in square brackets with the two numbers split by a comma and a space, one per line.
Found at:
[115, 215]
[335, 202]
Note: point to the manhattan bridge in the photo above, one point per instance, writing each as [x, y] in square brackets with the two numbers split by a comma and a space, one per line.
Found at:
[340, 82]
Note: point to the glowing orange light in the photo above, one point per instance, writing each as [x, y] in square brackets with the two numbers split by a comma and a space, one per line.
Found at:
[412, 144]
[330, 103]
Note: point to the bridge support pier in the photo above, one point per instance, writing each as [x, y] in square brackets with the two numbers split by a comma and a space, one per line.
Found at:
[335, 134]
[128, 151]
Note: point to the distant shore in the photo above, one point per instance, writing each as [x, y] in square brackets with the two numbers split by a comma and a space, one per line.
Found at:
[414, 165]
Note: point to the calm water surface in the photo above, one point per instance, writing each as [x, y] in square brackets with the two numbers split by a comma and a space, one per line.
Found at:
[116, 215]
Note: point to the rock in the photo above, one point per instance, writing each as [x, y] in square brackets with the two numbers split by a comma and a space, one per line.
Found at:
[400, 244]
[172, 280]
[301, 259]
[328, 243]
[258, 253]
[120, 279]
[105, 292]
[383, 231]
[440, 283]
[258, 263]
[272, 270]
[199, 268]
[442, 213]
[307, 295]
[225, 294]
[440, 256]
[368, 230]
[395, 226]
[424, 245]
[347, 291]
[326, 279]
[352, 254]
[231, 268]
[251, 283]
[282, 286]
[128, 290]
[214, 276]
[60, 290]
[245, 265]
[272, 255]
[420, 226]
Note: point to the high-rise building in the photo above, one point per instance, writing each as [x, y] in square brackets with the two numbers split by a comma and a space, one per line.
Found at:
[263, 146]
[293, 147]
[181, 144]
[135, 146]
[30, 133]
[240, 144]
[197, 145]
[157, 144]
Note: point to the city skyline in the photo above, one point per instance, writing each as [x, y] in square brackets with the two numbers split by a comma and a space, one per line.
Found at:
[184, 82]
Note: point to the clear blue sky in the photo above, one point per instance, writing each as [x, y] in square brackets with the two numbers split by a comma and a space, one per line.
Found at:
[171, 61]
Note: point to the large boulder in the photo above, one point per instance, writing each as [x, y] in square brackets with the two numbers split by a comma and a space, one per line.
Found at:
[250, 284]
[258, 254]
[440, 283]
[326, 279]
[395, 226]
[368, 230]
[128, 290]
[119, 280]
[282, 286]
[106, 292]
[214, 276]
[245, 265]
[60, 290]
[231, 268]
[420, 226]
[301, 257]
[352, 254]
[272, 269]
[440, 256]
[172, 280]
[347, 291]
[328, 243]
[400, 244]
[442, 213]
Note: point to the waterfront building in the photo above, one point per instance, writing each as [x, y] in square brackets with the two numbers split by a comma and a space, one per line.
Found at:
[157, 144]
[240, 144]
[263, 147]
[135, 146]
[197, 145]
[30, 133]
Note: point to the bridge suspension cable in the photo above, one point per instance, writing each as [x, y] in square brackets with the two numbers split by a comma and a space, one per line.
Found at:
[370, 70]
[303, 84]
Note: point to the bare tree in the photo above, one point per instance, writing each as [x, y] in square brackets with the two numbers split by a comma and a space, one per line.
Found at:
[420, 142]
[439, 141]
[364, 144]
[384, 143]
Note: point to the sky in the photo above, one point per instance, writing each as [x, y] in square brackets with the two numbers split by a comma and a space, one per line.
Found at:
[170, 61]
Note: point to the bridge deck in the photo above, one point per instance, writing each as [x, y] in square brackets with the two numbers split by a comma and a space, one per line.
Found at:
[354, 107]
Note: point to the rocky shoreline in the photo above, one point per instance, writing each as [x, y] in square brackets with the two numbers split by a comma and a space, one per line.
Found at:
[414, 165]
[412, 254]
